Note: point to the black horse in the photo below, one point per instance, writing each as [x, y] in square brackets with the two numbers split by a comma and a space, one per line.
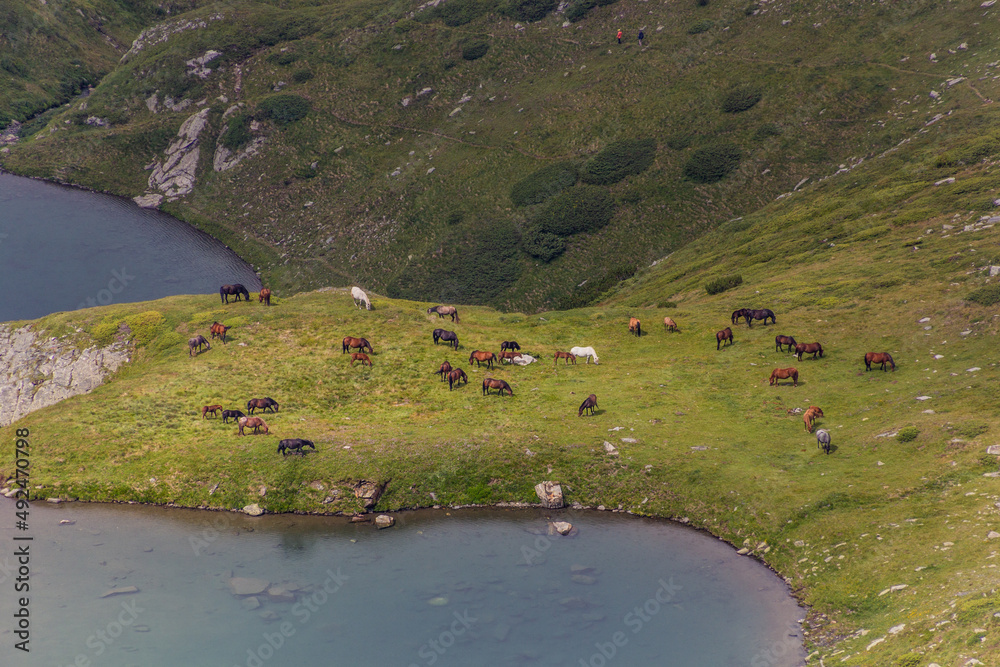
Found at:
[231, 414]
[737, 314]
[264, 404]
[229, 290]
[449, 337]
[509, 345]
[761, 314]
[294, 446]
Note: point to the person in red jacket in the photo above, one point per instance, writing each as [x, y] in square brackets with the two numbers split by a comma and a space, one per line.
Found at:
[619, 36]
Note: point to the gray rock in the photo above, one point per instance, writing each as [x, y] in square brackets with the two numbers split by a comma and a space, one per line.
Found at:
[248, 586]
[148, 201]
[253, 510]
[610, 449]
[992, 535]
[551, 495]
[562, 527]
[384, 521]
[250, 603]
[120, 591]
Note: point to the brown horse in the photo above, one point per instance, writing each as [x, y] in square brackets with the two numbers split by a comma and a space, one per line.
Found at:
[568, 356]
[214, 409]
[806, 348]
[882, 358]
[264, 404]
[499, 385]
[456, 376]
[445, 310]
[810, 416]
[634, 326]
[725, 334]
[509, 355]
[265, 296]
[481, 356]
[252, 422]
[781, 341]
[444, 370]
[360, 356]
[670, 325]
[219, 331]
[588, 404]
[350, 342]
[784, 374]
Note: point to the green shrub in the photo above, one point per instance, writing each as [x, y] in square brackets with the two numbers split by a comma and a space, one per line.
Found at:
[907, 434]
[618, 160]
[283, 109]
[680, 141]
[283, 57]
[909, 660]
[543, 183]
[666, 304]
[724, 283]
[475, 50]
[768, 130]
[302, 75]
[713, 163]
[579, 9]
[741, 98]
[543, 245]
[145, 326]
[985, 296]
[701, 26]
[529, 10]
[237, 133]
[581, 209]
[971, 429]
[459, 12]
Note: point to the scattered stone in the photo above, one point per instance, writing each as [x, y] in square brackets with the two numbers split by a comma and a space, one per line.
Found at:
[988, 3]
[993, 449]
[67, 522]
[945, 181]
[936, 95]
[280, 594]
[743, 552]
[923, 398]
[893, 589]
[992, 535]
[923, 320]
[562, 527]
[629, 441]
[584, 579]
[610, 449]
[247, 586]
[369, 492]
[875, 643]
[551, 495]
[250, 603]
[896, 629]
[54, 501]
[384, 521]
[439, 601]
[699, 448]
[973, 369]
[253, 510]
[120, 591]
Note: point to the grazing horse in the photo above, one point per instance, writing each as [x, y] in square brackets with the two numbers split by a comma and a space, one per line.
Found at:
[509, 345]
[634, 326]
[670, 325]
[449, 337]
[214, 409]
[725, 334]
[762, 314]
[231, 414]
[781, 341]
[882, 358]
[294, 446]
[737, 314]
[197, 342]
[219, 331]
[362, 357]
[481, 357]
[444, 370]
[806, 348]
[588, 404]
[265, 296]
[230, 290]
[456, 376]
[445, 310]
[810, 416]
[255, 422]
[823, 440]
[584, 352]
[509, 355]
[264, 404]
[350, 342]
[784, 374]
[360, 298]
[499, 385]
[568, 356]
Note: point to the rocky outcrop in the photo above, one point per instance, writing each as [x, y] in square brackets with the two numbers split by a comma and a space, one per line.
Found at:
[175, 177]
[163, 31]
[551, 495]
[37, 373]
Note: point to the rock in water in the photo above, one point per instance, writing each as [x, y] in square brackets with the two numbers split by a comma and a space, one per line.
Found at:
[247, 586]
[253, 510]
[551, 495]
[384, 521]
[120, 591]
[562, 527]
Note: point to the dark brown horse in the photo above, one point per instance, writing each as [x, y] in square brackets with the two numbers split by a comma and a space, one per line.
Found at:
[264, 404]
[252, 422]
[737, 314]
[236, 290]
[196, 343]
[444, 370]
[634, 326]
[214, 409]
[725, 334]
[509, 345]
[350, 342]
[588, 404]
[785, 374]
[781, 341]
[265, 297]
[499, 385]
[881, 358]
[509, 355]
[481, 357]
[231, 414]
[806, 348]
[219, 331]
[445, 310]
[762, 314]
[449, 337]
[456, 376]
[295, 446]
[568, 356]
[362, 357]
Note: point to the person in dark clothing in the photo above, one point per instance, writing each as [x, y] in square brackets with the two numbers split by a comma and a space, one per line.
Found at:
[641, 36]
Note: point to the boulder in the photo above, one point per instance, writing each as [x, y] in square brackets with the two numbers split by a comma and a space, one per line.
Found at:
[562, 527]
[248, 586]
[384, 521]
[253, 510]
[551, 495]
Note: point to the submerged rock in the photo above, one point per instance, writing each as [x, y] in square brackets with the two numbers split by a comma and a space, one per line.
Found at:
[248, 586]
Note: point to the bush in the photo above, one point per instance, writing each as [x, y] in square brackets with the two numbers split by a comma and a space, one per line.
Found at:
[985, 296]
[283, 109]
[666, 304]
[237, 133]
[529, 10]
[580, 209]
[713, 163]
[768, 130]
[283, 57]
[907, 434]
[618, 160]
[971, 430]
[579, 9]
[302, 75]
[741, 98]
[724, 283]
[145, 326]
[543, 245]
[700, 26]
[475, 51]
[459, 12]
[909, 660]
[544, 183]
[679, 142]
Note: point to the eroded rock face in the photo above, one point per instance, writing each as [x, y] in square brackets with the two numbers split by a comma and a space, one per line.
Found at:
[37, 373]
[175, 177]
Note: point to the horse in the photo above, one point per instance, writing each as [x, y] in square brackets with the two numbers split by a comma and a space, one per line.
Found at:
[509, 355]
[219, 331]
[350, 342]
[584, 352]
[360, 298]
[806, 348]
[784, 374]
[737, 314]
[725, 334]
[264, 404]
[670, 325]
[634, 326]
[509, 345]
[264, 297]
[444, 370]
[256, 422]
[499, 385]
[761, 314]
[481, 356]
[231, 414]
[445, 310]
[810, 416]
[823, 440]
[588, 404]
[456, 376]
[197, 342]
[882, 358]
[229, 290]
[294, 446]
[568, 356]
[362, 357]
[214, 409]
[781, 341]
[449, 337]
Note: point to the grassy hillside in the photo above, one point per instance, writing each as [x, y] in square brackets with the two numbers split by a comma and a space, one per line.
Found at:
[470, 153]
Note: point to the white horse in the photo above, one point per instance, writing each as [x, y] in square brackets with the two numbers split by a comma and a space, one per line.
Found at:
[360, 296]
[584, 352]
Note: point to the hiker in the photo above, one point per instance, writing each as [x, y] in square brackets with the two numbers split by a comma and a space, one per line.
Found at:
[619, 36]
[641, 35]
